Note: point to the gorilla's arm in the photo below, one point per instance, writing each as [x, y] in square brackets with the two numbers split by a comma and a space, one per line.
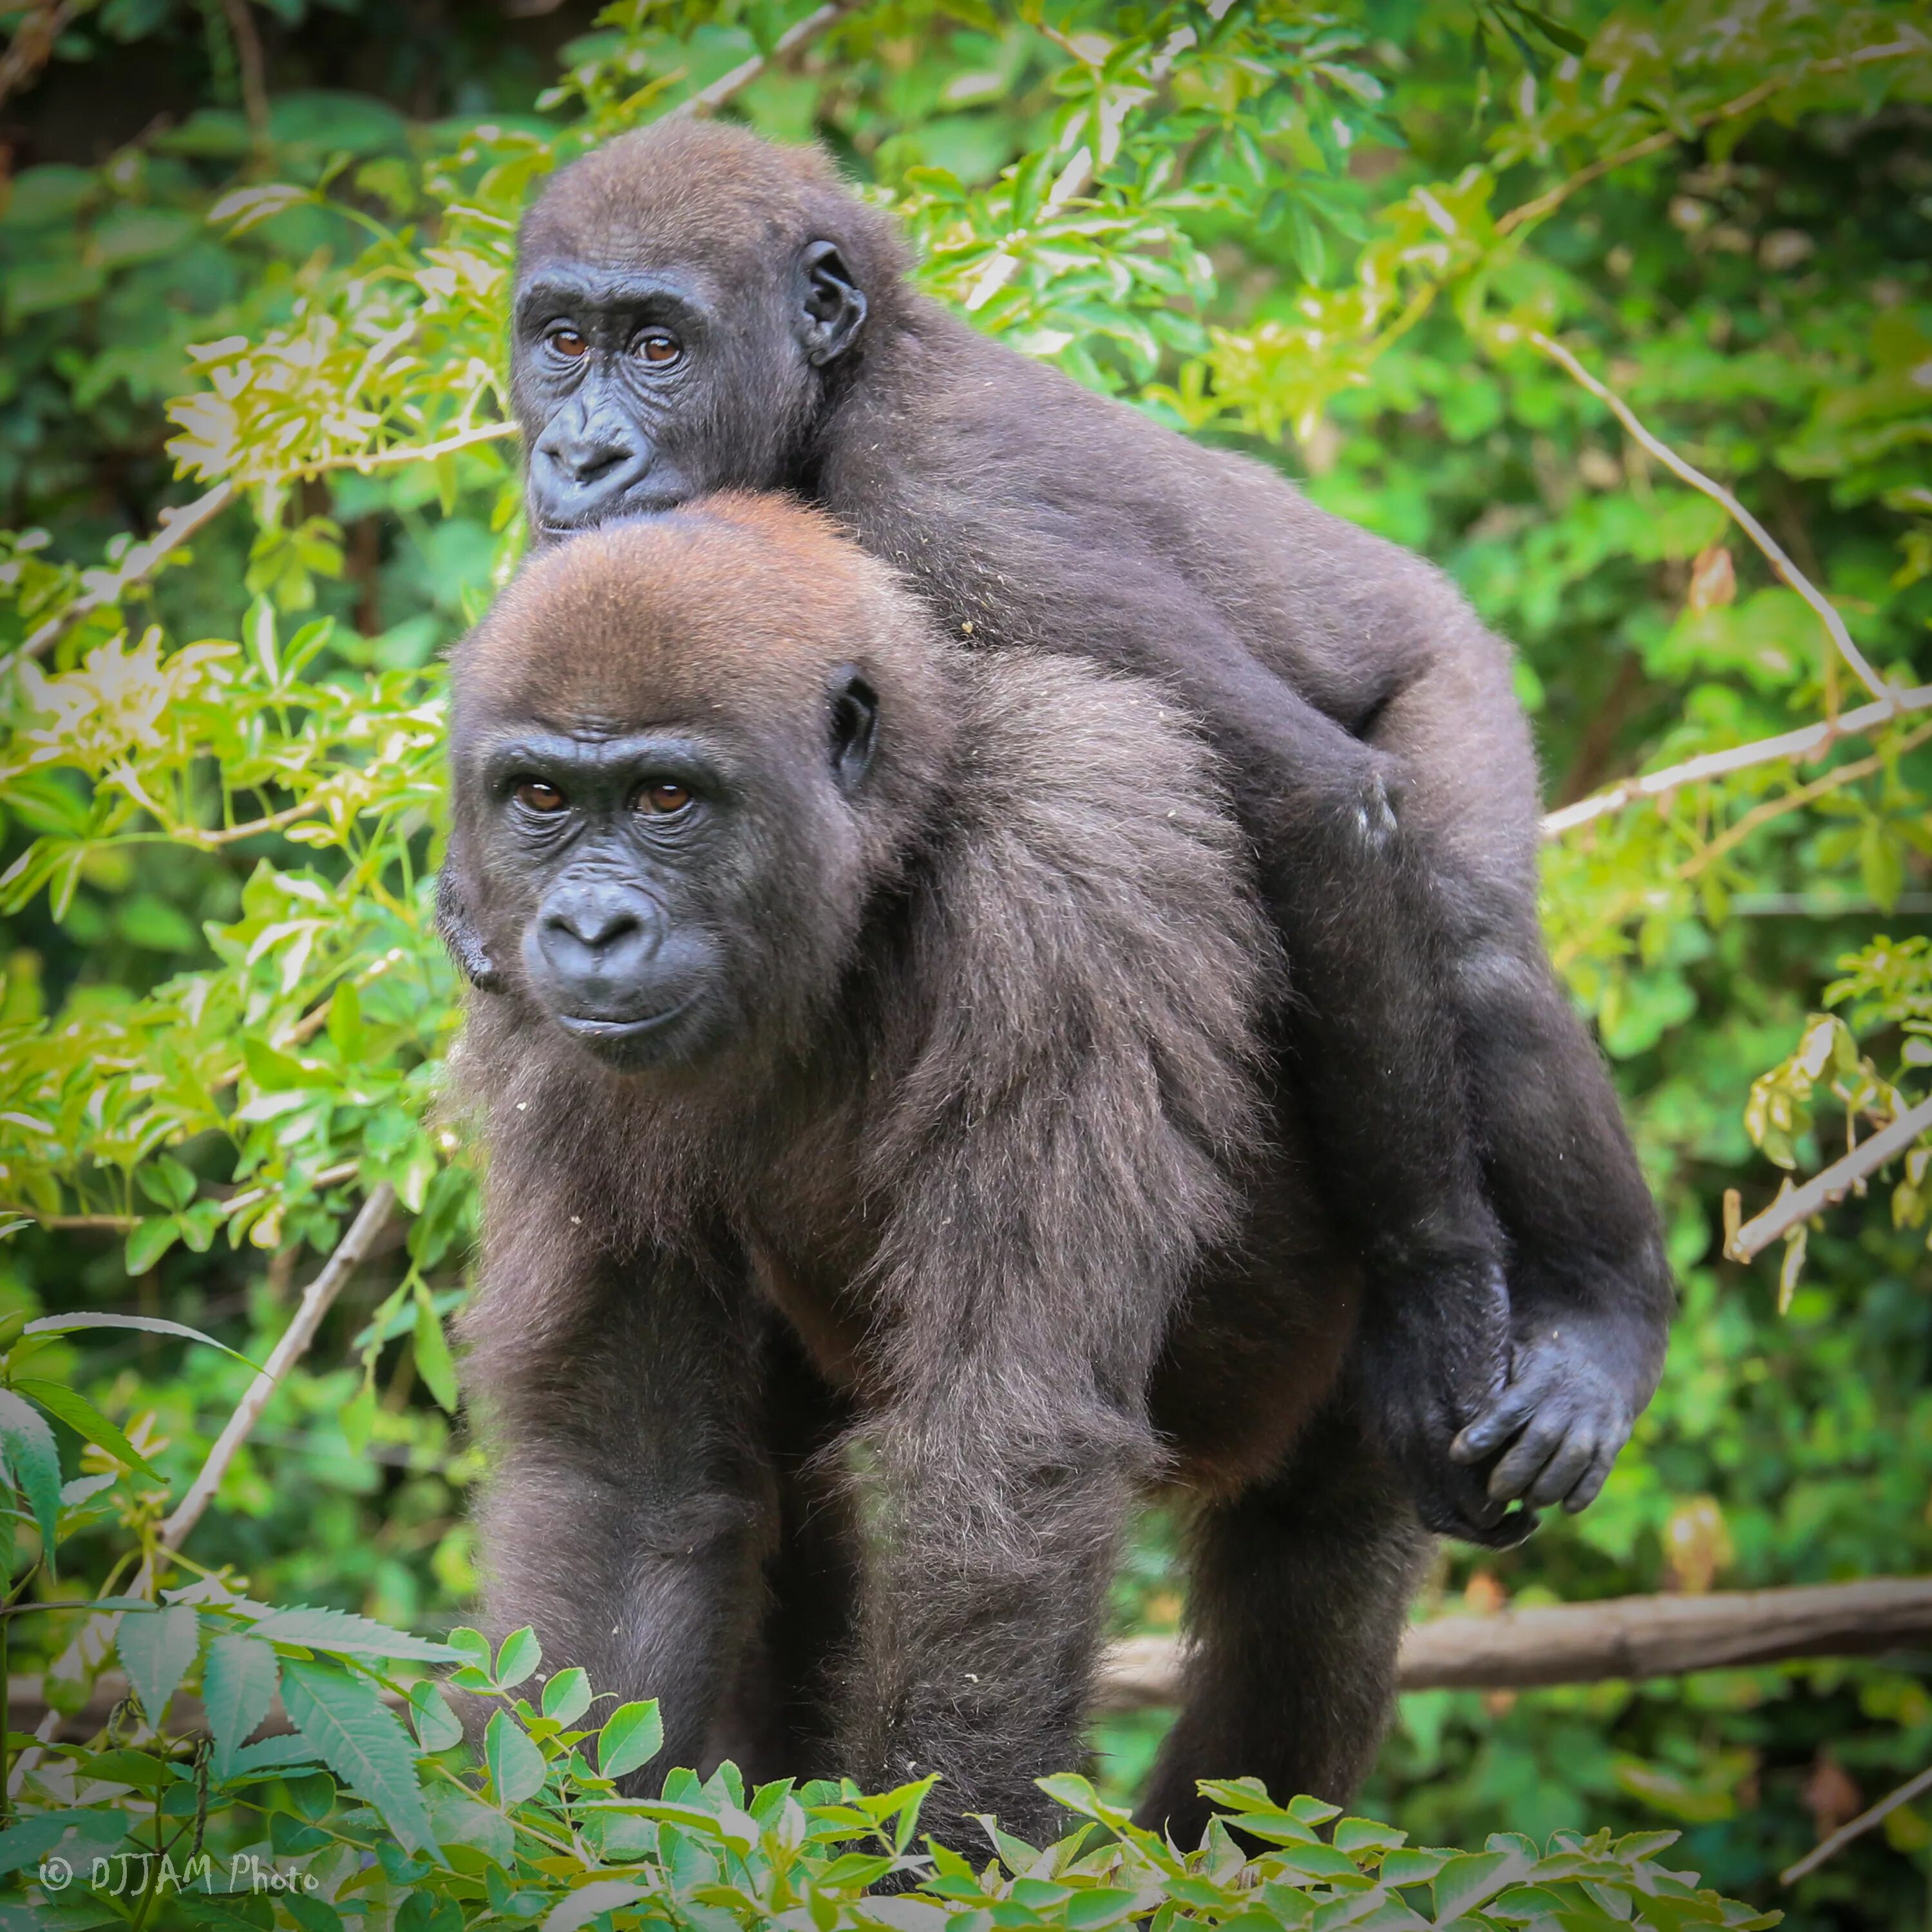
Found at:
[628, 1506]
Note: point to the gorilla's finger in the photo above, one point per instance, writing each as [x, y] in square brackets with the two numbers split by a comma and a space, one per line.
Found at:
[1512, 1477]
[1563, 1470]
[1594, 1477]
[1517, 1526]
[1496, 1425]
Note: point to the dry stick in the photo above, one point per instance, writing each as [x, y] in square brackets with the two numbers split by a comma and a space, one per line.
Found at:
[1831, 1185]
[1625, 1637]
[1774, 552]
[294, 1345]
[33, 41]
[1807, 743]
[254, 69]
[708, 100]
[142, 561]
[1862, 1823]
[178, 525]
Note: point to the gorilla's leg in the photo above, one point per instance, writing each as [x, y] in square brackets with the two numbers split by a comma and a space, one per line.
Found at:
[782, 1721]
[631, 1504]
[1299, 1591]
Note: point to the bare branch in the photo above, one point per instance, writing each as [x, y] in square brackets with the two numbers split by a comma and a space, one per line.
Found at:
[290, 1350]
[708, 100]
[1829, 1847]
[1548, 202]
[33, 41]
[1774, 552]
[365, 461]
[1827, 1188]
[142, 561]
[1585, 1643]
[1809, 742]
[254, 69]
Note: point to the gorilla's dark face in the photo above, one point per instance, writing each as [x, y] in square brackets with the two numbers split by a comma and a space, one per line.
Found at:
[645, 880]
[641, 383]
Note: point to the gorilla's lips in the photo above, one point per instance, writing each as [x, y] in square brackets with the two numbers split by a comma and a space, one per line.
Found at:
[626, 1044]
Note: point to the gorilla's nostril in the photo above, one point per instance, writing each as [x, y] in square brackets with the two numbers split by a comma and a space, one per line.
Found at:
[596, 925]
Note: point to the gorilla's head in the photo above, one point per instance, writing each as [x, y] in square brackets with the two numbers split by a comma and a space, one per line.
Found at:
[686, 299]
[688, 751]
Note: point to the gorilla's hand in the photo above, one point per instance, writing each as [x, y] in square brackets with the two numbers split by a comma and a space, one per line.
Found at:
[465, 948]
[1558, 1423]
[1432, 1359]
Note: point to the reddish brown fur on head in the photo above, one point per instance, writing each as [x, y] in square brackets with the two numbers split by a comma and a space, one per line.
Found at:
[701, 192]
[726, 616]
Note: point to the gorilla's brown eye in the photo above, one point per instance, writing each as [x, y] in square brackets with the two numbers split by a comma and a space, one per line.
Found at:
[533, 795]
[657, 346]
[663, 796]
[569, 342]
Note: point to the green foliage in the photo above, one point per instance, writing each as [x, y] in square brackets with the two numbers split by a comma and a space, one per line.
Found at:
[1345, 240]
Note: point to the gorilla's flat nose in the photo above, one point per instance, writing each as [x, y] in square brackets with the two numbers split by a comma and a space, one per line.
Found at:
[597, 943]
[588, 454]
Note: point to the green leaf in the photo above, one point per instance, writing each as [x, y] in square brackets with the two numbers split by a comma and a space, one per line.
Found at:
[519, 1657]
[86, 1421]
[157, 1652]
[516, 1766]
[633, 1735]
[437, 1727]
[567, 1695]
[343, 1719]
[150, 1325]
[590, 1901]
[1463, 1883]
[349, 1635]
[33, 1463]
[432, 1358]
[238, 1687]
[148, 1240]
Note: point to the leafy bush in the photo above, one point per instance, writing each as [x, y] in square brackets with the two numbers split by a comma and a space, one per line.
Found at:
[1430, 258]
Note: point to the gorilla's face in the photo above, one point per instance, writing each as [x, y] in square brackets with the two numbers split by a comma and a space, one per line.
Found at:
[665, 893]
[642, 383]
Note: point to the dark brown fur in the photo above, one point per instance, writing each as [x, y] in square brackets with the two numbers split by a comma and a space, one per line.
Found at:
[965, 1194]
[1469, 1143]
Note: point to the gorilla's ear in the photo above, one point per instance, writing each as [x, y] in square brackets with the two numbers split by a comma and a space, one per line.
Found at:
[855, 717]
[835, 304]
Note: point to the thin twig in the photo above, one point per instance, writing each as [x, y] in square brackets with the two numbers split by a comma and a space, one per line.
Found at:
[367, 1225]
[1826, 1189]
[254, 69]
[1808, 742]
[1548, 202]
[142, 561]
[362, 463]
[1733, 836]
[33, 41]
[1774, 552]
[708, 100]
[1862, 1823]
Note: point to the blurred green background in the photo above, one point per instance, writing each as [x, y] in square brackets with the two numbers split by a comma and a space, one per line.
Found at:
[261, 242]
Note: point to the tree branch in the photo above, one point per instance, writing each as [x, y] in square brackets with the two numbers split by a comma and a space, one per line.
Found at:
[1810, 741]
[254, 69]
[1548, 202]
[315, 1303]
[1829, 1186]
[1774, 552]
[33, 42]
[1829, 1847]
[708, 100]
[142, 561]
[1585, 1643]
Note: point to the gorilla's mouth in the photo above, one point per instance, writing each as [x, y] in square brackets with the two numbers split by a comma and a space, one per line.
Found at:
[609, 1035]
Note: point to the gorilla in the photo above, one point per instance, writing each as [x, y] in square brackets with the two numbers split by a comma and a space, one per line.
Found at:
[884, 1187]
[696, 310]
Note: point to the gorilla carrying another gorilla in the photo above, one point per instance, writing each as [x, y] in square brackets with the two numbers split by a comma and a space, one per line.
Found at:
[1475, 1315]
